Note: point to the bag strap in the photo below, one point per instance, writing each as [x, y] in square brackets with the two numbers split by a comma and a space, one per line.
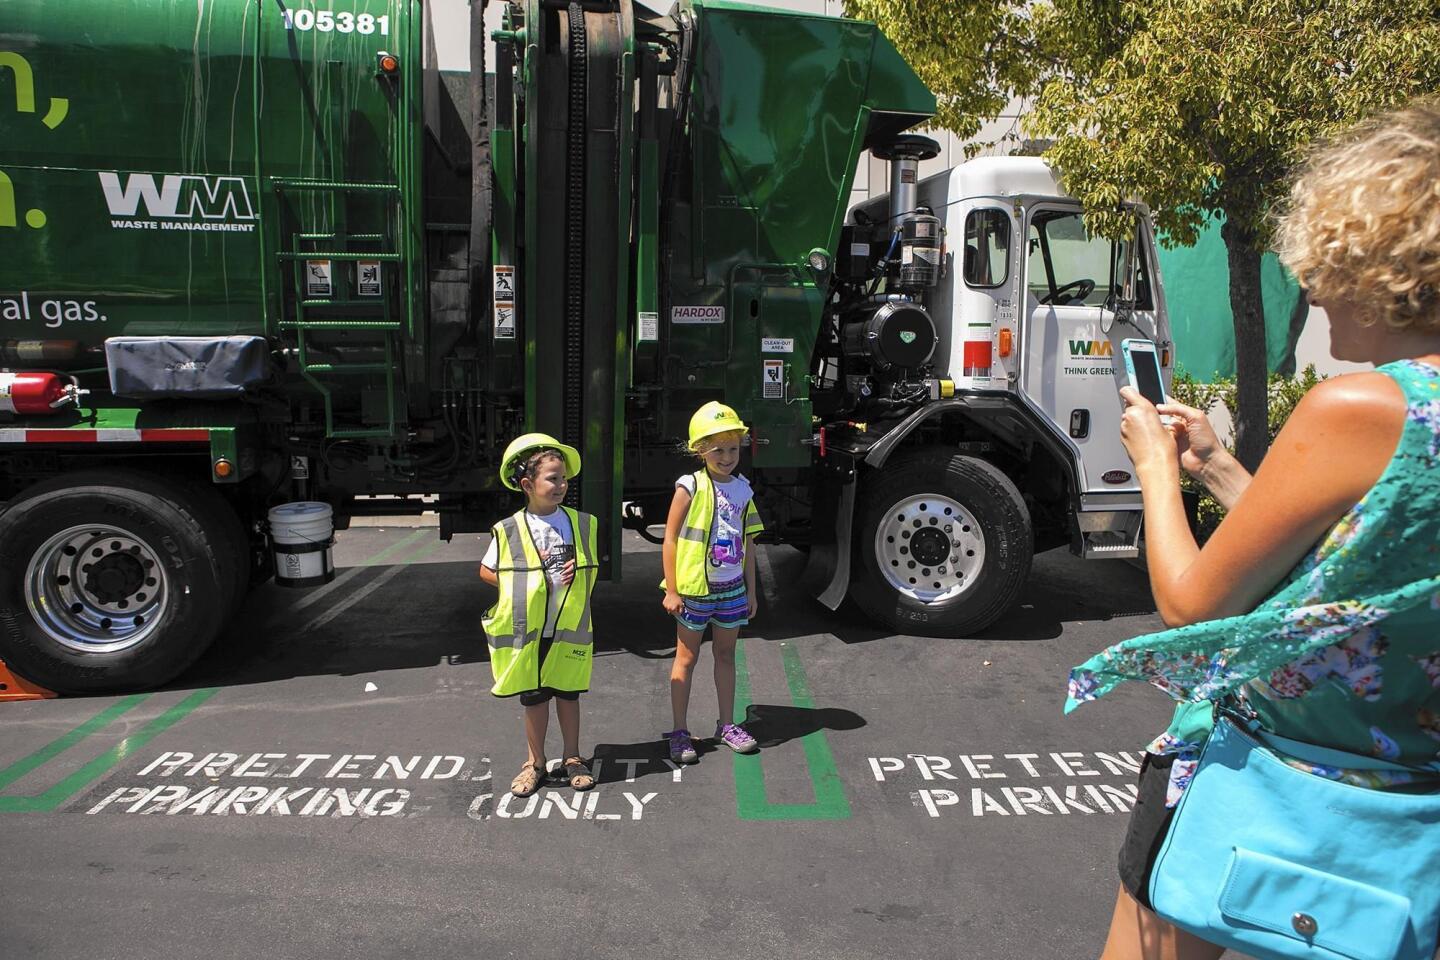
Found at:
[1312, 753]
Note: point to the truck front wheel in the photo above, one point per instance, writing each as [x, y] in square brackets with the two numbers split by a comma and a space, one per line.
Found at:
[944, 544]
[108, 582]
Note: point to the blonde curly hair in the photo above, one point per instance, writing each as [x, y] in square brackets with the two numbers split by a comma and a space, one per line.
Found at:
[1363, 219]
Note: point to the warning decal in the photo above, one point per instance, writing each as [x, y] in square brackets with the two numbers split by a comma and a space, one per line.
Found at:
[504, 284]
[317, 278]
[504, 321]
[649, 327]
[772, 383]
[367, 278]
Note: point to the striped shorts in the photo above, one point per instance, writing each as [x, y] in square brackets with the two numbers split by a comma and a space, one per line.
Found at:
[727, 606]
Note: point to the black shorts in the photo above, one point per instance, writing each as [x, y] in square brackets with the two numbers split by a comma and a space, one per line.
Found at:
[533, 697]
[1149, 823]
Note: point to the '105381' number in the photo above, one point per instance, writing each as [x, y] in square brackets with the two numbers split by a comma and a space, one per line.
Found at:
[344, 21]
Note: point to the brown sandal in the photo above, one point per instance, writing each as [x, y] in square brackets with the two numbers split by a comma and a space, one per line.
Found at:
[527, 781]
[580, 776]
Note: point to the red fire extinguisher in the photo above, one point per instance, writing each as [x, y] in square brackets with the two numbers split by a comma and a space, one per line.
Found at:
[41, 392]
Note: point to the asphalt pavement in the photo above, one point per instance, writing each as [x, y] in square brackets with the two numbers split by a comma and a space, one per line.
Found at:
[330, 781]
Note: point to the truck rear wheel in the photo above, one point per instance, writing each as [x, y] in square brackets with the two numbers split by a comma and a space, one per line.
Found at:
[944, 544]
[108, 581]
[232, 542]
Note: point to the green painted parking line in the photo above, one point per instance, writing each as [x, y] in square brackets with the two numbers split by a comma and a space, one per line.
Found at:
[48, 752]
[751, 802]
[93, 770]
[395, 547]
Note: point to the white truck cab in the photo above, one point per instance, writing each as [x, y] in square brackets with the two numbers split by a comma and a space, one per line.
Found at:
[1016, 443]
[1028, 307]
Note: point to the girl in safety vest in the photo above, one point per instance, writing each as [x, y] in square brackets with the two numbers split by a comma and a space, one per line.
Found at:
[710, 571]
[543, 560]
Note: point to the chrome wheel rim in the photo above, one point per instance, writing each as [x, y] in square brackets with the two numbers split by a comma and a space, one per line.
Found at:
[929, 548]
[96, 588]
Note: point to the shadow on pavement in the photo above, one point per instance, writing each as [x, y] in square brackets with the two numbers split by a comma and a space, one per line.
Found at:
[1061, 589]
[770, 724]
[428, 614]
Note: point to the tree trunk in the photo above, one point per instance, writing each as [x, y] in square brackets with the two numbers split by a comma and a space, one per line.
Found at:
[1252, 437]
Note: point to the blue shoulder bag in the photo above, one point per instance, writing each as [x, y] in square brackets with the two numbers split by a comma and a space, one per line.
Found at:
[1279, 863]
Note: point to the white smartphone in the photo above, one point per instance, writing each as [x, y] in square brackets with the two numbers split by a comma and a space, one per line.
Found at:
[1142, 367]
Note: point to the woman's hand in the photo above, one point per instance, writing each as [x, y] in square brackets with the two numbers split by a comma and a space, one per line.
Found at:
[1153, 447]
[1195, 440]
[752, 603]
[673, 603]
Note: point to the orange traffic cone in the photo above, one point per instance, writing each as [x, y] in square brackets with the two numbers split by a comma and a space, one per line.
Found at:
[13, 687]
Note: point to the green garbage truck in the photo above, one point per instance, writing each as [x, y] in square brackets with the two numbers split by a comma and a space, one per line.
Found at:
[267, 268]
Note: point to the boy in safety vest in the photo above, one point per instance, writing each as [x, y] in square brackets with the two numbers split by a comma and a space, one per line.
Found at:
[543, 560]
[710, 571]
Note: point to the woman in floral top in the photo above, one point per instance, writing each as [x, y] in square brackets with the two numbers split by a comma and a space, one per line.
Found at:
[1316, 604]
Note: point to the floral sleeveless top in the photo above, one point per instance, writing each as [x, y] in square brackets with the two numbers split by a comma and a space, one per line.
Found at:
[1345, 653]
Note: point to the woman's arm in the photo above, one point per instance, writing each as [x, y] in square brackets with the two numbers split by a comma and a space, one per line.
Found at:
[1204, 457]
[1331, 451]
[679, 506]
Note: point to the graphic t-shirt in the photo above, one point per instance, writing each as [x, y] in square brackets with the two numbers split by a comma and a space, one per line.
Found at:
[727, 530]
[555, 542]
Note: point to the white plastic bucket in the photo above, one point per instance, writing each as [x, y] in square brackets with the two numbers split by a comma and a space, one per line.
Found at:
[303, 536]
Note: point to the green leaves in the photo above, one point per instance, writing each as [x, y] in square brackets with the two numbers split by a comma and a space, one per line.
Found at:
[1195, 107]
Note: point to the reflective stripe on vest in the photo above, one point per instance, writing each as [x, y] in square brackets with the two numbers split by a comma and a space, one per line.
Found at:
[514, 634]
[692, 548]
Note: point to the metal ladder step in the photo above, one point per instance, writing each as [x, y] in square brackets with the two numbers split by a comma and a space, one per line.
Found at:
[335, 186]
[374, 303]
[347, 368]
[386, 256]
[341, 324]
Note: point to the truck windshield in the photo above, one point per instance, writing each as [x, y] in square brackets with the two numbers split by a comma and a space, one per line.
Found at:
[1070, 267]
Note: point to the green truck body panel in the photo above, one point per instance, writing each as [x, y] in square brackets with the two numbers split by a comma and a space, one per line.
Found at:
[154, 189]
[172, 169]
[782, 112]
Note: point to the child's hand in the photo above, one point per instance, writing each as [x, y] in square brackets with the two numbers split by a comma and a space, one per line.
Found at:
[673, 603]
[567, 573]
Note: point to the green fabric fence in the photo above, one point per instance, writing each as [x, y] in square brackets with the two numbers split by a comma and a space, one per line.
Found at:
[1197, 291]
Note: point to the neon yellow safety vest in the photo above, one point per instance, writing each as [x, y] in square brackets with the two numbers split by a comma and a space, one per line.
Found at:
[513, 631]
[692, 549]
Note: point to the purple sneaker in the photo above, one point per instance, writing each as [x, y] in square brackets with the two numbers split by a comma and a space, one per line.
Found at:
[734, 736]
[682, 749]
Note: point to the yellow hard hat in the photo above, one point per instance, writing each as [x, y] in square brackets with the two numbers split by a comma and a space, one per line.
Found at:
[712, 418]
[529, 443]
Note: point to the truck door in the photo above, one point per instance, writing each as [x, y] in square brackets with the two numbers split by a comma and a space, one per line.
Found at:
[1073, 368]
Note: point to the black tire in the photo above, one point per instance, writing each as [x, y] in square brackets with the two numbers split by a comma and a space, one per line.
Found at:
[997, 527]
[161, 517]
[233, 553]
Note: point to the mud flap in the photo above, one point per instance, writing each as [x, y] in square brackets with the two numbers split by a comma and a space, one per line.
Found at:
[827, 574]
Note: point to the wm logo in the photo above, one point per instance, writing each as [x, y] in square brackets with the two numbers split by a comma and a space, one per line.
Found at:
[1091, 348]
[177, 196]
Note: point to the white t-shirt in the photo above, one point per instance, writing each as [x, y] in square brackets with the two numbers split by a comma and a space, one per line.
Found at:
[727, 531]
[555, 542]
